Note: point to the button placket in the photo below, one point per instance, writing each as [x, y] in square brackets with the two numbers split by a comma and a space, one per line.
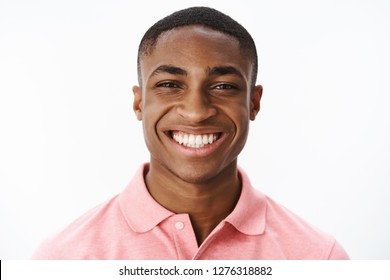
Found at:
[207, 242]
[184, 237]
[179, 225]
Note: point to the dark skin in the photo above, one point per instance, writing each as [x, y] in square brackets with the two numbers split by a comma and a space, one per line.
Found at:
[196, 83]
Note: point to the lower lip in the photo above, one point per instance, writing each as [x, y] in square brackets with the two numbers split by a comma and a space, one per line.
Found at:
[198, 152]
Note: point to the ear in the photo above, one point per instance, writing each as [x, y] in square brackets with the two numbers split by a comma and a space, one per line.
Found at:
[137, 103]
[256, 94]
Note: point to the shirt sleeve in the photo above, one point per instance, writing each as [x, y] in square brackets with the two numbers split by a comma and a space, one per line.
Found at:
[42, 252]
[337, 252]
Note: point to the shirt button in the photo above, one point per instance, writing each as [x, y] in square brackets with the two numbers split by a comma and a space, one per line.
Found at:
[179, 225]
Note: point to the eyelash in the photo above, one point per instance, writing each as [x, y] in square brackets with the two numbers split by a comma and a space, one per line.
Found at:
[167, 85]
[218, 89]
[225, 87]
[218, 86]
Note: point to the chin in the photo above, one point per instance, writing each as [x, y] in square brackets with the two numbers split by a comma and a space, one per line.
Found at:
[196, 175]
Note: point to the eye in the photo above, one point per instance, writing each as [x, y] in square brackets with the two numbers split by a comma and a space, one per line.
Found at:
[225, 86]
[224, 89]
[167, 85]
[168, 88]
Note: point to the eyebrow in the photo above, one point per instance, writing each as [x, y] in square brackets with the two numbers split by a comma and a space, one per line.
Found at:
[224, 70]
[215, 71]
[170, 70]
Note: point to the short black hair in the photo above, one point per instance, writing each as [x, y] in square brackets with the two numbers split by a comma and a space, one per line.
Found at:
[207, 17]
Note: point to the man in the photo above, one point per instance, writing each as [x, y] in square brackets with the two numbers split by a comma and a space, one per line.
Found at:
[197, 92]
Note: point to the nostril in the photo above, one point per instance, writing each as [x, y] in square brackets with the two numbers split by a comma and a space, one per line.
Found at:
[196, 113]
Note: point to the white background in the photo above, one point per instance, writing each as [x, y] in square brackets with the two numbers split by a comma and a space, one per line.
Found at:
[320, 146]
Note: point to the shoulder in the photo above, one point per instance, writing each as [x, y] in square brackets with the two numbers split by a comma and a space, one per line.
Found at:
[302, 239]
[76, 240]
[283, 234]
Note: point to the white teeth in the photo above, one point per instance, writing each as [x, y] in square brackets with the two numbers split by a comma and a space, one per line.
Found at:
[191, 140]
[194, 141]
[198, 140]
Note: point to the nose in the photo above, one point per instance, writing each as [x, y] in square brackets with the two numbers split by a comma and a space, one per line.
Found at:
[196, 107]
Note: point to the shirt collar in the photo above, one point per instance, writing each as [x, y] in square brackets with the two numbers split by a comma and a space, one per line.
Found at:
[143, 213]
[249, 215]
[140, 210]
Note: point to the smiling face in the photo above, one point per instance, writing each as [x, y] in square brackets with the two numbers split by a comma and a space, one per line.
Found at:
[195, 102]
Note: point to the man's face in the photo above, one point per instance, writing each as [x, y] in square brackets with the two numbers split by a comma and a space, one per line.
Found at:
[195, 102]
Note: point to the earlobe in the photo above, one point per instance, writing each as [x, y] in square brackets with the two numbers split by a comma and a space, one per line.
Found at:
[137, 103]
[255, 101]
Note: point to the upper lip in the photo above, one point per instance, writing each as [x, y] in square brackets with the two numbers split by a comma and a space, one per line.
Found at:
[194, 130]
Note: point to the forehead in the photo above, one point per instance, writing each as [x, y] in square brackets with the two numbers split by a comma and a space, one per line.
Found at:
[196, 45]
[194, 31]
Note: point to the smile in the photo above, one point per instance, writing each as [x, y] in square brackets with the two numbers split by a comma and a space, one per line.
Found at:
[194, 140]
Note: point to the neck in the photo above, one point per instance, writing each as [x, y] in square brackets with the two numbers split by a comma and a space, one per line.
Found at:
[207, 202]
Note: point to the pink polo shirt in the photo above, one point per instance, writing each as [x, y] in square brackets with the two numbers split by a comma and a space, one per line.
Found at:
[132, 225]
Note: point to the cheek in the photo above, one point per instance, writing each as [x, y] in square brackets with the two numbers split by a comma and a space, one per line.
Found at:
[153, 112]
[149, 120]
[240, 117]
[148, 133]
[239, 113]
